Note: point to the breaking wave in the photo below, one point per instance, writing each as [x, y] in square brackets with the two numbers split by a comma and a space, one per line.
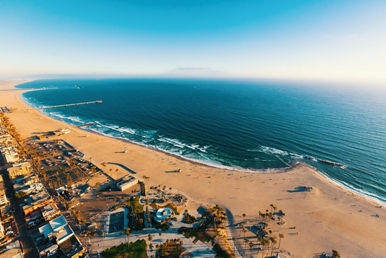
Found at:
[248, 128]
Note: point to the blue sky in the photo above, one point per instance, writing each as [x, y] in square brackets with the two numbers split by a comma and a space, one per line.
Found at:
[327, 40]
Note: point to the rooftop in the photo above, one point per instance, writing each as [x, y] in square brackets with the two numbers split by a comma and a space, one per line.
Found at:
[58, 222]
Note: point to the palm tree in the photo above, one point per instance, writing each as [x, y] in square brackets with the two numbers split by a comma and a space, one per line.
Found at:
[273, 242]
[335, 254]
[281, 236]
[264, 242]
[245, 242]
[244, 229]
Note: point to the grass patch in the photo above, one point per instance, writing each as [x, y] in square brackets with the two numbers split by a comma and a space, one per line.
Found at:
[136, 207]
[197, 233]
[189, 219]
[135, 249]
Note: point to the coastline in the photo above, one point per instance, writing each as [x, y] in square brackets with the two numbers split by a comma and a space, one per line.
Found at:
[198, 162]
[239, 191]
[345, 186]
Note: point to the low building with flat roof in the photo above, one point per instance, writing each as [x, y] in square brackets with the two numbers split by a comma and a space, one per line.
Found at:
[1, 231]
[50, 211]
[61, 238]
[127, 182]
[20, 169]
[6, 140]
[10, 154]
[13, 250]
[3, 200]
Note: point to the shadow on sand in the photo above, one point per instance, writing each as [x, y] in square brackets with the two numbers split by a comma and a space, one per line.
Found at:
[123, 166]
[300, 189]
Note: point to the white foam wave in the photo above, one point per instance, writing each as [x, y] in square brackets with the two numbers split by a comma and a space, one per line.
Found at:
[282, 153]
[272, 150]
[116, 128]
[205, 159]
[351, 188]
[173, 142]
[64, 118]
[181, 145]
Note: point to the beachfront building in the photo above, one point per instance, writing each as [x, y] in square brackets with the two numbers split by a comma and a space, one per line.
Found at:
[10, 154]
[3, 200]
[12, 249]
[20, 169]
[1, 231]
[29, 187]
[6, 140]
[126, 182]
[49, 211]
[57, 228]
[35, 202]
[57, 238]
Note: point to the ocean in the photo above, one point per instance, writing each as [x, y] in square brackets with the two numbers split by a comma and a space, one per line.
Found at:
[246, 125]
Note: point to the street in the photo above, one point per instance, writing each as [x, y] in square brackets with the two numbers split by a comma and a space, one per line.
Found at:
[27, 243]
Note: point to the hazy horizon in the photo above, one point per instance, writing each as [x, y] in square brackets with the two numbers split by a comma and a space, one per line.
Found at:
[293, 40]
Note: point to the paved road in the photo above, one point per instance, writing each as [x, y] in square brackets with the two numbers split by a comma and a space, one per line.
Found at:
[26, 240]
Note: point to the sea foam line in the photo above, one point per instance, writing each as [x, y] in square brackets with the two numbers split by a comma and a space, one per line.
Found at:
[275, 151]
[347, 186]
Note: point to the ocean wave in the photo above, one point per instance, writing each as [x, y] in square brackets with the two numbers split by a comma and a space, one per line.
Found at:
[181, 145]
[282, 153]
[272, 150]
[116, 128]
[230, 154]
[76, 119]
[351, 188]
[201, 156]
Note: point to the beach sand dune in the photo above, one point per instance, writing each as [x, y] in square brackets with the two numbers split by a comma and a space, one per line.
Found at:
[328, 217]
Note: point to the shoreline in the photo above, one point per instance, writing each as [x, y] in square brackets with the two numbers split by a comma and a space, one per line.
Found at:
[198, 162]
[345, 186]
[367, 196]
[340, 219]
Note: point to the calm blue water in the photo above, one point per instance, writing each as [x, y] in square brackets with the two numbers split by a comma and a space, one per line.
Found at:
[236, 124]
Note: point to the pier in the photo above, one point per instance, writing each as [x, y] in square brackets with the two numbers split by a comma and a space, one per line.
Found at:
[74, 104]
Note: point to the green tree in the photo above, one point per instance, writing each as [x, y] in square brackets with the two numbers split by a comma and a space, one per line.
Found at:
[135, 249]
[20, 194]
[335, 254]
[127, 231]
[273, 242]
[281, 236]
[245, 243]
[243, 229]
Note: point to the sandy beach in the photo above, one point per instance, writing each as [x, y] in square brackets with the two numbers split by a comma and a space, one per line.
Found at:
[328, 217]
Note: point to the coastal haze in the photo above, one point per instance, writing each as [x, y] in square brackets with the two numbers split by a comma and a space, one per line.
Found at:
[193, 128]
